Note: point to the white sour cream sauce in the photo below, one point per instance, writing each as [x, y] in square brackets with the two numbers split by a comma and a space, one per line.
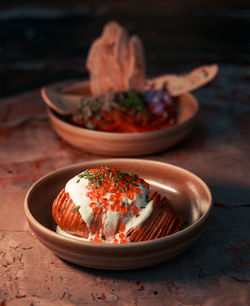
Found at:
[78, 193]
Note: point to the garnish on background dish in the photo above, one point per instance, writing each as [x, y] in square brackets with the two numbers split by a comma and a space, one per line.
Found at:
[107, 205]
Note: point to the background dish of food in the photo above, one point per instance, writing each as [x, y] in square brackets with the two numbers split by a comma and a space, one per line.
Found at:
[119, 144]
[187, 193]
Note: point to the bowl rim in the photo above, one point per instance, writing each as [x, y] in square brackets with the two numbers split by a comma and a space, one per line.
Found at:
[100, 246]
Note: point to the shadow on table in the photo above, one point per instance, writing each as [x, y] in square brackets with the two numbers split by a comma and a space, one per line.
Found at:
[222, 248]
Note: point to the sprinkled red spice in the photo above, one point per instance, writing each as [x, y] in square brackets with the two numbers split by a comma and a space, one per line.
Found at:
[96, 238]
[122, 228]
[111, 189]
[135, 210]
[122, 238]
[108, 187]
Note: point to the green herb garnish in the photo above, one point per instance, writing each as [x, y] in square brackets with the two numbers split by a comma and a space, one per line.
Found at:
[76, 208]
[133, 100]
[97, 178]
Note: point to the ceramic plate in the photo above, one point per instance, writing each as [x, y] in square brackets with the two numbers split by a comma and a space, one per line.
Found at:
[187, 193]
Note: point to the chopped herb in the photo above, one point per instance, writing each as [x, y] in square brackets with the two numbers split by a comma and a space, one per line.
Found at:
[111, 176]
[133, 100]
[76, 208]
[97, 178]
[123, 189]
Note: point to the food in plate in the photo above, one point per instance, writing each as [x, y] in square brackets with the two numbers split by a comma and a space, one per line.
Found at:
[128, 111]
[121, 98]
[107, 205]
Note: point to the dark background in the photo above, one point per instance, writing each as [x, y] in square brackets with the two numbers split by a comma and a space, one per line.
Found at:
[47, 41]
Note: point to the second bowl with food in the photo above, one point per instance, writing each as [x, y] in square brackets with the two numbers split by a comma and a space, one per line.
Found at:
[126, 226]
[119, 111]
[119, 143]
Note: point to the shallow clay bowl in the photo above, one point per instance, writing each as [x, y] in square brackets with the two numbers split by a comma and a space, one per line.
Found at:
[119, 144]
[187, 193]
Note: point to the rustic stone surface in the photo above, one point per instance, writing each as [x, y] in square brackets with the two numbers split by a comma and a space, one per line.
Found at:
[215, 271]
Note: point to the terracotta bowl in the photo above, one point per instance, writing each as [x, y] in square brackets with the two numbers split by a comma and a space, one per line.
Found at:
[120, 144]
[188, 193]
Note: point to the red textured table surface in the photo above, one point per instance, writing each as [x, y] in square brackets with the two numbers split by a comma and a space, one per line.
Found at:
[215, 271]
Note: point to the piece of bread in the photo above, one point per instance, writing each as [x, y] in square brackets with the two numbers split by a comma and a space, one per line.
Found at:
[179, 85]
[115, 61]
